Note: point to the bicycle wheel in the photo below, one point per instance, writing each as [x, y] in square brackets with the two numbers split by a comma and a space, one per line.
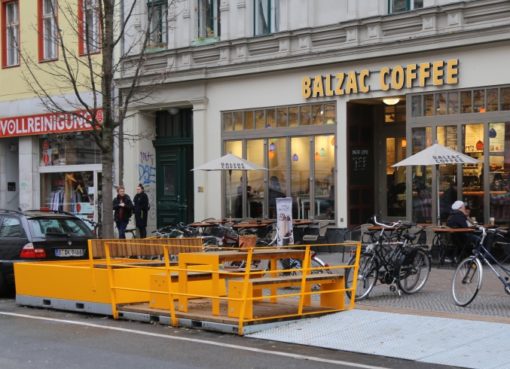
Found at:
[413, 274]
[467, 281]
[367, 276]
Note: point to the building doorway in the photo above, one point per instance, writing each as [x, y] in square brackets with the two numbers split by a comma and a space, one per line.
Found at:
[377, 140]
[174, 161]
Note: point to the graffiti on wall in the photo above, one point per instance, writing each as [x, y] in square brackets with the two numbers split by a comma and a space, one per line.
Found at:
[147, 177]
[146, 169]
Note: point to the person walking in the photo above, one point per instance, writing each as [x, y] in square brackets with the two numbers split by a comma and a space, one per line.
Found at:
[141, 203]
[123, 209]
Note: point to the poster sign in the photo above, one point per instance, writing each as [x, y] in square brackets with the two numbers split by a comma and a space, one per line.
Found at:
[285, 234]
[40, 124]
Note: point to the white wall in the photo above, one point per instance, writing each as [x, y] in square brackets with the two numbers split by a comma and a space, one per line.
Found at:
[29, 177]
[140, 160]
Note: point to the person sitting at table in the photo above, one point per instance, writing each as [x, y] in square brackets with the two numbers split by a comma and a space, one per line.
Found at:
[463, 242]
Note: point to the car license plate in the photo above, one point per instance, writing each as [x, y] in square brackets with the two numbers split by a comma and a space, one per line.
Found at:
[66, 253]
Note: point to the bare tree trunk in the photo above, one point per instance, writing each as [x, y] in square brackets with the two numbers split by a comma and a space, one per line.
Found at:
[109, 120]
[107, 193]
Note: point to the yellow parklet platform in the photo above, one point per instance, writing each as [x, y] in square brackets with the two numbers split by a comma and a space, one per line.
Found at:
[198, 293]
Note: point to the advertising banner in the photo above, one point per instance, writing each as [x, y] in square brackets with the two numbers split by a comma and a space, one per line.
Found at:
[40, 124]
[285, 234]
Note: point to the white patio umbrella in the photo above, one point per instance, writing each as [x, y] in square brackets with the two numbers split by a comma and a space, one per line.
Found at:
[435, 155]
[229, 163]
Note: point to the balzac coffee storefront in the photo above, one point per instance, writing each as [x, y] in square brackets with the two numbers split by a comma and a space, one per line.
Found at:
[334, 153]
[49, 162]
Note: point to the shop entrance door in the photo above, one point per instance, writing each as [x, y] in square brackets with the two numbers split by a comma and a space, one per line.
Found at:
[174, 184]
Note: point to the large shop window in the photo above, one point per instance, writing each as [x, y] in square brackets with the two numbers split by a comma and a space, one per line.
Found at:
[300, 162]
[422, 178]
[71, 192]
[69, 149]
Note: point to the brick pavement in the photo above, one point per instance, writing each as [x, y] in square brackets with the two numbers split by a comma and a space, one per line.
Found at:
[491, 304]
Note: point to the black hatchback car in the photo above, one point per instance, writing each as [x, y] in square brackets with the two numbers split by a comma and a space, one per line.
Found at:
[38, 235]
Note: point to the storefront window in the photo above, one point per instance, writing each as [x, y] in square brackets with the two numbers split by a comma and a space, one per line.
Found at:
[292, 160]
[447, 136]
[465, 102]
[453, 102]
[422, 178]
[492, 99]
[324, 177]
[277, 160]
[396, 177]
[505, 98]
[472, 176]
[499, 172]
[255, 186]
[233, 183]
[73, 192]
[416, 106]
[69, 149]
[429, 104]
[300, 175]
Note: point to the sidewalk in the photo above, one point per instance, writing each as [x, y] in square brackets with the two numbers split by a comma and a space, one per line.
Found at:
[426, 327]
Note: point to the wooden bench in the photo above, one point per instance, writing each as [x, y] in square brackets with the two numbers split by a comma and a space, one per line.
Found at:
[255, 287]
[200, 283]
[143, 247]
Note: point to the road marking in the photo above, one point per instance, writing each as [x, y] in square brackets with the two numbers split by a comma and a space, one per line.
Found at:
[200, 341]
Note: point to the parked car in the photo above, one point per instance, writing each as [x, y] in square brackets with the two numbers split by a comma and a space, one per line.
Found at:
[38, 235]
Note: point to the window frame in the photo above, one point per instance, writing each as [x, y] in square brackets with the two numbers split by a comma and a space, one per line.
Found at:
[162, 26]
[214, 18]
[410, 5]
[83, 45]
[6, 47]
[44, 40]
[272, 16]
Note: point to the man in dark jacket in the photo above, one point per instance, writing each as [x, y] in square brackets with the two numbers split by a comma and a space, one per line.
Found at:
[123, 208]
[463, 242]
[141, 202]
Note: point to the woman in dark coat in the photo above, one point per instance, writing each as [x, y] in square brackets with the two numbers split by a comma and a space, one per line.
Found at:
[141, 202]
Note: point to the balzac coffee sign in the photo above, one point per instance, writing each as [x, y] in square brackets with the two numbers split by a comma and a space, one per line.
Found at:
[437, 73]
[40, 124]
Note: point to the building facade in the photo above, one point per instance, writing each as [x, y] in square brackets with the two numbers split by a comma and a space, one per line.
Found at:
[302, 87]
[48, 159]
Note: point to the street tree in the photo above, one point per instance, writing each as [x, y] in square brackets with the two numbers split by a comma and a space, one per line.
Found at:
[84, 46]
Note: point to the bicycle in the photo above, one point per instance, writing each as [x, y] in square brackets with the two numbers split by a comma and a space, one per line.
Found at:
[390, 259]
[467, 279]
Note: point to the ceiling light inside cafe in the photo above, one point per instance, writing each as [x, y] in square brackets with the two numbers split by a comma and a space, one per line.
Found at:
[391, 100]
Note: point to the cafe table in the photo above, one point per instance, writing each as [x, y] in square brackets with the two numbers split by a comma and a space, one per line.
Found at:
[213, 260]
[444, 240]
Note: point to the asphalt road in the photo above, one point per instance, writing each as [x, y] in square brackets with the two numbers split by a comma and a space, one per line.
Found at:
[47, 339]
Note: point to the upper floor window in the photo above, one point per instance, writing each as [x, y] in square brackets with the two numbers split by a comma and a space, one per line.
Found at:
[397, 6]
[157, 13]
[89, 31]
[10, 39]
[208, 18]
[48, 29]
[266, 16]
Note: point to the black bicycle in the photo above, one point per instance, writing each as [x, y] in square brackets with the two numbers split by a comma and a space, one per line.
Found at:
[392, 259]
[467, 279]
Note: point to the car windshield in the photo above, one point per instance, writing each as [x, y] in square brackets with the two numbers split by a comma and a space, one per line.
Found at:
[58, 226]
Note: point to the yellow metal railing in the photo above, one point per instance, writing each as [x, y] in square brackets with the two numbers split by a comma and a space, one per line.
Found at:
[212, 266]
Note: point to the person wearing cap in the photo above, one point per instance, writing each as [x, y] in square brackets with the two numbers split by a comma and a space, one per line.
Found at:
[463, 242]
[458, 216]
